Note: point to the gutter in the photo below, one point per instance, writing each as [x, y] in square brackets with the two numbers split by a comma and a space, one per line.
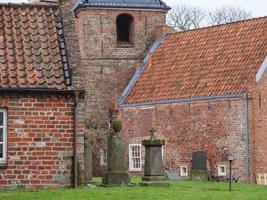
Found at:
[75, 139]
[218, 97]
[37, 91]
[246, 134]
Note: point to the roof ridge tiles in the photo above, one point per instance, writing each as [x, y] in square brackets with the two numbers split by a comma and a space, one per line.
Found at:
[140, 4]
[219, 25]
[28, 5]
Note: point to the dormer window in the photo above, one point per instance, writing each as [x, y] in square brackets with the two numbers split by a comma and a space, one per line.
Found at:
[125, 28]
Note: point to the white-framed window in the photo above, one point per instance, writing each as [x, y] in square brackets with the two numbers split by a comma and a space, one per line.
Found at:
[183, 170]
[135, 163]
[103, 157]
[221, 170]
[162, 152]
[3, 136]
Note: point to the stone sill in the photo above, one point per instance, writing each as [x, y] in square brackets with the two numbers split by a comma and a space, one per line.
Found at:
[124, 45]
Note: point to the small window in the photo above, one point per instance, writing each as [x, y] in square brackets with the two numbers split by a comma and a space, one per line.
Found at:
[222, 170]
[3, 136]
[124, 24]
[183, 171]
[135, 157]
[103, 157]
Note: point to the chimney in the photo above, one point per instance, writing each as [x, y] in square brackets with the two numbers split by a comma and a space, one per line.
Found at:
[162, 30]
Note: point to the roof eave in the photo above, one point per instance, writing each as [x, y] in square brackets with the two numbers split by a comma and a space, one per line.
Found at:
[37, 91]
[77, 6]
[185, 100]
[262, 70]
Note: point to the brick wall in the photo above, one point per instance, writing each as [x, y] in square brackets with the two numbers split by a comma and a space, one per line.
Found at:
[215, 127]
[40, 141]
[258, 125]
[107, 67]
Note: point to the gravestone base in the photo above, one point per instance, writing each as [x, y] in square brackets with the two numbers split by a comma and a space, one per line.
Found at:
[199, 175]
[117, 173]
[157, 181]
[154, 174]
[116, 179]
[154, 178]
[155, 184]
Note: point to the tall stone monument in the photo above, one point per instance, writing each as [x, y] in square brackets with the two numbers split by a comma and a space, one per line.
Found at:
[117, 173]
[88, 172]
[154, 174]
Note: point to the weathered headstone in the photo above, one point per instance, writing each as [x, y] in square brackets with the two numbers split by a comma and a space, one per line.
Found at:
[117, 173]
[154, 174]
[172, 175]
[88, 176]
[199, 169]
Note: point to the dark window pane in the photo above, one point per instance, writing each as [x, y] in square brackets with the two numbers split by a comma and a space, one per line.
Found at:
[124, 23]
[1, 118]
[1, 150]
[1, 135]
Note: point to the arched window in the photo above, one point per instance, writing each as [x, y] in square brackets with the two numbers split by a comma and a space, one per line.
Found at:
[125, 28]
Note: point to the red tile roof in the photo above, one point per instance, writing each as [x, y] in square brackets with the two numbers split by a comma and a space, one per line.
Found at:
[32, 50]
[210, 61]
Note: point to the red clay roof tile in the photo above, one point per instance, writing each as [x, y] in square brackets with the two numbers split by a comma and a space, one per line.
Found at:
[215, 60]
[31, 51]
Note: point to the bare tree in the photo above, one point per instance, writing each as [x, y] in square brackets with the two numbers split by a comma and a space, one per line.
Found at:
[185, 17]
[228, 14]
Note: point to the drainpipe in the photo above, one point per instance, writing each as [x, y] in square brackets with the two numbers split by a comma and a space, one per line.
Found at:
[75, 159]
[246, 114]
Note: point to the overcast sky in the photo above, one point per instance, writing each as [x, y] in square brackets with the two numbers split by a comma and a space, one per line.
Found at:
[257, 7]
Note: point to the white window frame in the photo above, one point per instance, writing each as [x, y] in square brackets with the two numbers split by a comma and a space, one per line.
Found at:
[103, 157]
[162, 152]
[3, 160]
[183, 174]
[220, 173]
[131, 167]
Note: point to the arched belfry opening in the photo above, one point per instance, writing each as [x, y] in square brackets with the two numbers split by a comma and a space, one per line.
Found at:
[125, 28]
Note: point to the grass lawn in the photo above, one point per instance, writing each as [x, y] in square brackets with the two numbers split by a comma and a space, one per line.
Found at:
[181, 190]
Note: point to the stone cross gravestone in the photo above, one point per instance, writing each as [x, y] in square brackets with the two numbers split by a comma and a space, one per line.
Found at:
[154, 174]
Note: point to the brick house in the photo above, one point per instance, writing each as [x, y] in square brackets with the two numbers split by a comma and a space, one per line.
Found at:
[205, 91]
[41, 116]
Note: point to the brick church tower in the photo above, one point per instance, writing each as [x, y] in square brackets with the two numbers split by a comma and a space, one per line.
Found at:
[114, 36]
